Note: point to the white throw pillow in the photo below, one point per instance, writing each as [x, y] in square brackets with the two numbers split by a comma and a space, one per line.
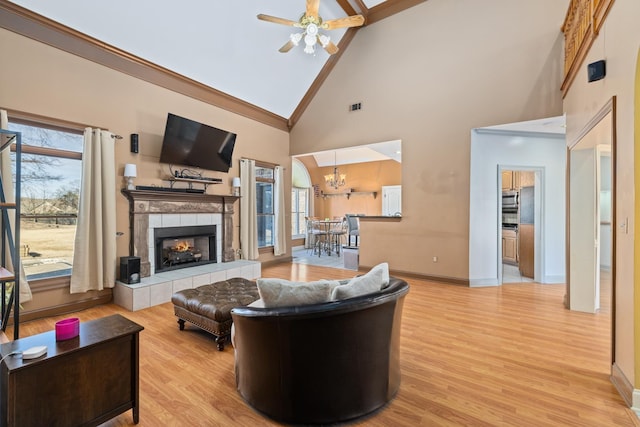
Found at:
[375, 279]
[257, 304]
[283, 293]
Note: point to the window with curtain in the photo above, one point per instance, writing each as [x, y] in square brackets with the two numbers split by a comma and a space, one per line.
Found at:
[51, 172]
[264, 204]
[299, 210]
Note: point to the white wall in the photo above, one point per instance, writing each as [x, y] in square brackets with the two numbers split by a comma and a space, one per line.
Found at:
[490, 151]
[618, 43]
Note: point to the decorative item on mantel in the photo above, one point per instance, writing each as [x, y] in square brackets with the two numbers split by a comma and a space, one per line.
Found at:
[235, 183]
[130, 173]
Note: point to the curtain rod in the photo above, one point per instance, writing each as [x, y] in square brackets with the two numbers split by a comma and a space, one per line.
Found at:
[262, 162]
[53, 123]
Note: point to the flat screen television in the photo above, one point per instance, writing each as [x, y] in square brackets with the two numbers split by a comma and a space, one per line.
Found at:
[189, 143]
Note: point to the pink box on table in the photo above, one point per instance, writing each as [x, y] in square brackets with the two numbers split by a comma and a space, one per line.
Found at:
[67, 328]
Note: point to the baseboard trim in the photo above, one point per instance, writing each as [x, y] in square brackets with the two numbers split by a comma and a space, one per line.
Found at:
[431, 278]
[623, 385]
[554, 280]
[70, 307]
[483, 283]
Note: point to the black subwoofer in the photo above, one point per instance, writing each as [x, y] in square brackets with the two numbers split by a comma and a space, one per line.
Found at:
[130, 269]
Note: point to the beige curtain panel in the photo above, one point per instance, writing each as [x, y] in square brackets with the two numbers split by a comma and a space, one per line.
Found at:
[7, 187]
[94, 255]
[248, 211]
[280, 241]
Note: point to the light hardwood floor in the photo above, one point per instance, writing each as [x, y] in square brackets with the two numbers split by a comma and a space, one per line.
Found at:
[496, 356]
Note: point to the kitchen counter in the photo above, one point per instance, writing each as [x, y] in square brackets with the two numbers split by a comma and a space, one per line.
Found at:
[379, 218]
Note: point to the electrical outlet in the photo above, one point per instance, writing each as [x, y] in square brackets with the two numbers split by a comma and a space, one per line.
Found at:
[435, 259]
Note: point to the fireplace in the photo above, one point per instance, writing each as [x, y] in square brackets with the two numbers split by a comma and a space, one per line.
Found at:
[186, 246]
[150, 210]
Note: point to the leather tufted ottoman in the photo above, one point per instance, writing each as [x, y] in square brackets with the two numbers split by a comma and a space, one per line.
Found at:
[209, 306]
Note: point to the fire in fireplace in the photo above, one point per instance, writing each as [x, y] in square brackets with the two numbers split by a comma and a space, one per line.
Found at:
[180, 247]
[182, 251]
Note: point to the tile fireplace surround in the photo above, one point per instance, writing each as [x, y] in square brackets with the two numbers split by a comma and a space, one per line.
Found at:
[157, 209]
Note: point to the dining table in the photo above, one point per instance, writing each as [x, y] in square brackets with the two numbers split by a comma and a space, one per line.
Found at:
[324, 232]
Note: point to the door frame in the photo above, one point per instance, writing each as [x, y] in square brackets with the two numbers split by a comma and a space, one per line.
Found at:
[538, 244]
[608, 108]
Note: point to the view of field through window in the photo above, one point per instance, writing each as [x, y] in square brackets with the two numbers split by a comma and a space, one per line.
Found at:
[264, 203]
[50, 187]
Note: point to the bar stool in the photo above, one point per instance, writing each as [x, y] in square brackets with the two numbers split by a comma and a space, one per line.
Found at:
[352, 227]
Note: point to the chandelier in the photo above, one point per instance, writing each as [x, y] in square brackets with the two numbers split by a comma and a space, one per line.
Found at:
[336, 179]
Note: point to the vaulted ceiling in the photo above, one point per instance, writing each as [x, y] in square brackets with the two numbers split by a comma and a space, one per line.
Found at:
[220, 48]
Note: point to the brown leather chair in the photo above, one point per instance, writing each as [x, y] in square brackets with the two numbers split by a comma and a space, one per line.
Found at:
[321, 363]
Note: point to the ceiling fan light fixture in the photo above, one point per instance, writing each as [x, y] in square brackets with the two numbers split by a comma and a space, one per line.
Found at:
[324, 40]
[310, 42]
[312, 23]
[312, 30]
[295, 38]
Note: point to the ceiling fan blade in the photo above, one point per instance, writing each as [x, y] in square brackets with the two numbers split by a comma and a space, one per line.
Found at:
[351, 21]
[312, 7]
[277, 20]
[329, 47]
[286, 47]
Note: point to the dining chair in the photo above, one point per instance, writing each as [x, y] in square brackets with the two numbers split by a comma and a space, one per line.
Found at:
[320, 236]
[338, 231]
[311, 237]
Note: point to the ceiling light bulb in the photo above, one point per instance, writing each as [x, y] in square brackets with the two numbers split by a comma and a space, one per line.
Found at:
[310, 40]
[324, 40]
[312, 30]
[295, 38]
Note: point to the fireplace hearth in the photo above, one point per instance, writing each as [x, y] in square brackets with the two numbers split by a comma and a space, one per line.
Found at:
[181, 247]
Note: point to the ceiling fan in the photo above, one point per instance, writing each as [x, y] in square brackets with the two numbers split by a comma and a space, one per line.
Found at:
[311, 23]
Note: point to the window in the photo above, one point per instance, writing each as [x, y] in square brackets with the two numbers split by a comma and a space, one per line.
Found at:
[299, 209]
[51, 171]
[264, 201]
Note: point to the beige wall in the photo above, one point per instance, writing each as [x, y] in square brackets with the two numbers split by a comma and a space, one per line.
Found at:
[38, 79]
[618, 44]
[427, 76]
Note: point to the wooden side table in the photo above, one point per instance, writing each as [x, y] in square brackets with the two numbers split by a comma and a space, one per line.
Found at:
[85, 381]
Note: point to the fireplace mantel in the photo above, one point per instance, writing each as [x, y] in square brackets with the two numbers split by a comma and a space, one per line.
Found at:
[142, 203]
[177, 196]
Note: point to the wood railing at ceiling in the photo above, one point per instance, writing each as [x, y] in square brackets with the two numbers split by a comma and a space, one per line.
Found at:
[581, 27]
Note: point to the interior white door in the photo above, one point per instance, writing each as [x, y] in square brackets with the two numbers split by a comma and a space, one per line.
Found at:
[392, 200]
[584, 231]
